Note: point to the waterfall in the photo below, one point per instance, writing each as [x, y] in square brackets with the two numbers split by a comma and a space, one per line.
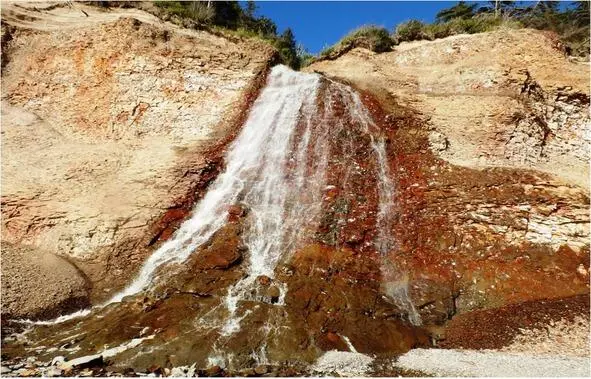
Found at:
[278, 170]
[254, 169]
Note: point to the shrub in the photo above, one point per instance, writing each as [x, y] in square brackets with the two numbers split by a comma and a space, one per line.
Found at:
[409, 31]
[415, 30]
[371, 37]
[200, 12]
[435, 31]
[304, 56]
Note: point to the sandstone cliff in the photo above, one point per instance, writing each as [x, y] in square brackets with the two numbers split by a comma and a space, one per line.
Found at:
[106, 119]
[114, 124]
[494, 176]
[501, 99]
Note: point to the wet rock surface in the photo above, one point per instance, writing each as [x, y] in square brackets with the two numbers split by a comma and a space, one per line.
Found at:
[482, 234]
[326, 295]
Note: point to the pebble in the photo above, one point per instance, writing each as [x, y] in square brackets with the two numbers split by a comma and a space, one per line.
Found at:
[213, 371]
[27, 372]
[4, 370]
[177, 371]
[261, 369]
[86, 372]
[53, 371]
[442, 362]
[57, 360]
[85, 361]
[191, 370]
[343, 363]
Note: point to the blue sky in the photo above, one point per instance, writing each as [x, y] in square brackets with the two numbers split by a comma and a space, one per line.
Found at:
[317, 24]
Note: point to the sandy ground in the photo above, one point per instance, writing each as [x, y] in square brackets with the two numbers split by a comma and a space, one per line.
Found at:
[496, 364]
[343, 363]
[565, 337]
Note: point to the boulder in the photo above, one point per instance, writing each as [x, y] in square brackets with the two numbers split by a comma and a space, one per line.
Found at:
[261, 369]
[38, 285]
[273, 293]
[264, 280]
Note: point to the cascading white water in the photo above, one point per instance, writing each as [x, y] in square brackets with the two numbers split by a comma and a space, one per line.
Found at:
[254, 170]
[277, 169]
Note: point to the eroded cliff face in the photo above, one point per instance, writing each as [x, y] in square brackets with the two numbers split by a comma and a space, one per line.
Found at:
[502, 99]
[133, 118]
[110, 128]
[492, 166]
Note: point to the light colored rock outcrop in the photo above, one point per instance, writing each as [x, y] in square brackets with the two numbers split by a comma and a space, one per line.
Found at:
[508, 98]
[106, 119]
[502, 99]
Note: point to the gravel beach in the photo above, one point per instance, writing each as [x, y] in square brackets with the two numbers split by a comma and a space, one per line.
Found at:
[442, 362]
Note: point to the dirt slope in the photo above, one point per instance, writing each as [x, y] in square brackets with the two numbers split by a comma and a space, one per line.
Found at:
[109, 120]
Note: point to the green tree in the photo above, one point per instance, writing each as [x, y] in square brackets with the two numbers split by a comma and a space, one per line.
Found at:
[460, 10]
[286, 45]
[265, 27]
[580, 14]
[251, 8]
[227, 14]
[502, 7]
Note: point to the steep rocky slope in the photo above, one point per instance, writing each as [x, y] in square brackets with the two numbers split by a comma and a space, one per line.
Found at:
[491, 147]
[114, 123]
[508, 99]
[107, 117]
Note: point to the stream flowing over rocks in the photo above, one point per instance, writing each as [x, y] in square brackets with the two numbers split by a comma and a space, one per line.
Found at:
[175, 203]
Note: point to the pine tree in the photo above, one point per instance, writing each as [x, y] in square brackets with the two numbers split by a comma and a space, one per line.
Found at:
[581, 13]
[251, 8]
[460, 10]
[286, 44]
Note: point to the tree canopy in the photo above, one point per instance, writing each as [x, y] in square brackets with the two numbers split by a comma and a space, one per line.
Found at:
[460, 10]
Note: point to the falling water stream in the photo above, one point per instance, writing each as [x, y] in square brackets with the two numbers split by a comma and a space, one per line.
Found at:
[277, 169]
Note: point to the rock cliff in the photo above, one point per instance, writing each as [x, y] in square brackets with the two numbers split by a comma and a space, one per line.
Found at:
[115, 123]
[111, 122]
[492, 162]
